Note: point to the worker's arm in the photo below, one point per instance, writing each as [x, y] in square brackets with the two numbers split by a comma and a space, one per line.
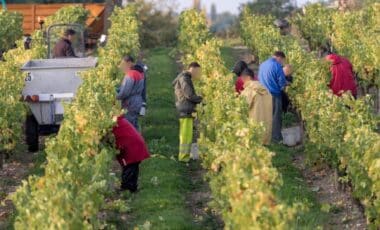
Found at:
[69, 51]
[249, 96]
[281, 77]
[125, 89]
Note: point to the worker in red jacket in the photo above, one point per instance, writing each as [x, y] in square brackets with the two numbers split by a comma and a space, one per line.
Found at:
[343, 79]
[133, 151]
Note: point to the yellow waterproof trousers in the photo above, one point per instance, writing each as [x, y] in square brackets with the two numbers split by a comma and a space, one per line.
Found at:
[185, 138]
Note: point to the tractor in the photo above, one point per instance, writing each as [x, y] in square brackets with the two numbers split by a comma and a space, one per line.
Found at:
[52, 82]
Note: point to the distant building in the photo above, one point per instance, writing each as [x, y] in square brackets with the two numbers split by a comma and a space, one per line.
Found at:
[214, 13]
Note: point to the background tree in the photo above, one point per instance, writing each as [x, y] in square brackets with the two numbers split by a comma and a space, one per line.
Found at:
[225, 25]
[277, 8]
[349, 4]
[159, 22]
[55, 1]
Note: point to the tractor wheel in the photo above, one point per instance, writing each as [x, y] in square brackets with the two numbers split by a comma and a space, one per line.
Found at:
[31, 133]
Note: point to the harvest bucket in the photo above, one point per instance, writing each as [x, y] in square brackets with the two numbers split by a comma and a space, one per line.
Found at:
[292, 136]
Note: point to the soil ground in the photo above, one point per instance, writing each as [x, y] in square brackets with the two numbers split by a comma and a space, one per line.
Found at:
[172, 195]
[345, 212]
[18, 167]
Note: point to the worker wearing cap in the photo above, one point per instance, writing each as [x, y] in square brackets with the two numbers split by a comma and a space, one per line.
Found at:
[64, 48]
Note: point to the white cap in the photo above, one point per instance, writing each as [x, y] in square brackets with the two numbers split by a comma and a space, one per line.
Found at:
[103, 38]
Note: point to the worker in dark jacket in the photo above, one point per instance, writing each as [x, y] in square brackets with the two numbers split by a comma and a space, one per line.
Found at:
[186, 101]
[64, 48]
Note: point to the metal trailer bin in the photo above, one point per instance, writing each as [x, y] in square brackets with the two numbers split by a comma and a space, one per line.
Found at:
[48, 84]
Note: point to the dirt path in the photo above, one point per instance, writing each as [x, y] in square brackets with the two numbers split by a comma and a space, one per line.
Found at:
[15, 169]
[199, 198]
[345, 212]
[200, 195]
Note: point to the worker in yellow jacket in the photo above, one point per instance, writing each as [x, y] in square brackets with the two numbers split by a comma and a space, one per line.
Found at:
[260, 103]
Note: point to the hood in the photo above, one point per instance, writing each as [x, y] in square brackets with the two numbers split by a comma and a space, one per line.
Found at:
[183, 74]
[138, 68]
[334, 58]
[256, 86]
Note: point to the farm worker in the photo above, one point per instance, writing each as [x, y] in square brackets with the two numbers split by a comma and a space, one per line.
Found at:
[27, 41]
[239, 67]
[64, 48]
[343, 78]
[259, 101]
[186, 101]
[288, 70]
[130, 92]
[272, 77]
[133, 151]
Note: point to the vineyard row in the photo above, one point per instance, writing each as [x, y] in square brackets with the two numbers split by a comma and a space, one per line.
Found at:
[77, 178]
[340, 130]
[242, 178]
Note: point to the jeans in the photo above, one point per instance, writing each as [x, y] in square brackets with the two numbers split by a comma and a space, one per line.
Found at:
[277, 118]
[133, 118]
[129, 177]
[285, 102]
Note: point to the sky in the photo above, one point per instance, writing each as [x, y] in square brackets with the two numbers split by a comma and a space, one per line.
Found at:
[224, 5]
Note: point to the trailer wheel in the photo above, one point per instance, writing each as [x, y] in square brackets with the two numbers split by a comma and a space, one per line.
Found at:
[31, 133]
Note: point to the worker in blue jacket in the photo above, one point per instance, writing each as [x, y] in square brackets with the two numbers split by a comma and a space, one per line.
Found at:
[272, 76]
[131, 90]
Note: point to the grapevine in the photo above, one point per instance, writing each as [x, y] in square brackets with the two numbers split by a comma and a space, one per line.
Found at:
[340, 130]
[242, 178]
[356, 36]
[353, 34]
[77, 161]
[10, 29]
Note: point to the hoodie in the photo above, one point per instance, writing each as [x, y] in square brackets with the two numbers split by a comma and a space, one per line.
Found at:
[130, 93]
[185, 97]
[259, 101]
[272, 77]
[342, 79]
[129, 142]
